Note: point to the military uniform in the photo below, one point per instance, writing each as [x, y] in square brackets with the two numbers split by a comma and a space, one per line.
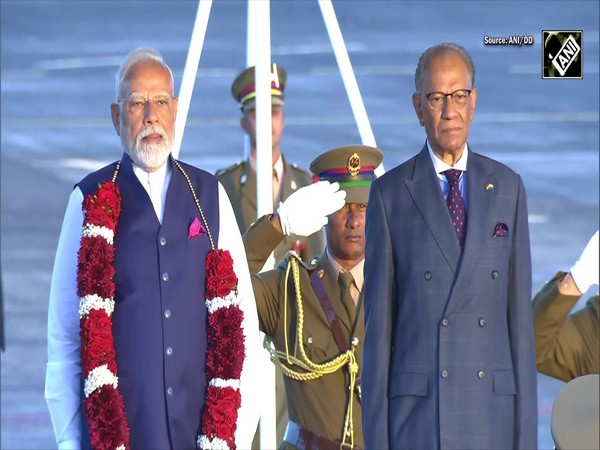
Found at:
[321, 357]
[239, 181]
[566, 346]
[317, 405]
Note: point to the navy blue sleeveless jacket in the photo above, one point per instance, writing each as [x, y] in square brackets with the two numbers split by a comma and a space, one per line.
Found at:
[160, 320]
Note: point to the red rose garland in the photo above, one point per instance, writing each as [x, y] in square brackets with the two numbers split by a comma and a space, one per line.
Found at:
[104, 409]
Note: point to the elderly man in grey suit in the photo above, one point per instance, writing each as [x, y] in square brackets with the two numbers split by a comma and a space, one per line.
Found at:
[448, 354]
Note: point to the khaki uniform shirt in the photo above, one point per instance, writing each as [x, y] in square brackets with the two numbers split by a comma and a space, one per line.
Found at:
[239, 182]
[566, 346]
[318, 405]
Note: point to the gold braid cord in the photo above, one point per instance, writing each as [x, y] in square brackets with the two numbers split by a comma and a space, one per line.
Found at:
[312, 370]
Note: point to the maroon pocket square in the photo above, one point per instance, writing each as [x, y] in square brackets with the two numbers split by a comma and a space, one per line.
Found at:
[501, 230]
[196, 229]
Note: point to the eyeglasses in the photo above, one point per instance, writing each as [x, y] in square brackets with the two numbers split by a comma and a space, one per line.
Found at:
[459, 98]
[137, 103]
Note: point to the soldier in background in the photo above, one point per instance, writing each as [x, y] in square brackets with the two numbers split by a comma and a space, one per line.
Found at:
[239, 180]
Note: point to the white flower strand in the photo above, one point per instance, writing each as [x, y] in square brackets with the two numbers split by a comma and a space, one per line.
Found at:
[98, 377]
[216, 444]
[121, 447]
[222, 302]
[94, 301]
[90, 230]
[222, 383]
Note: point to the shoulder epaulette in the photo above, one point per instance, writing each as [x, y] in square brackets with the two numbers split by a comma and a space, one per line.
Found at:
[228, 169]
[300, 169]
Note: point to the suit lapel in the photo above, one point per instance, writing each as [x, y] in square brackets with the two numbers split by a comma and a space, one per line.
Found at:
[425, 191]
[332, 288]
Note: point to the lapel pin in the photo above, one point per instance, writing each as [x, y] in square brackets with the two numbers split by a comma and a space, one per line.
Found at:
[294, 185]
[489, 186]
[320, 273]
[243, 179]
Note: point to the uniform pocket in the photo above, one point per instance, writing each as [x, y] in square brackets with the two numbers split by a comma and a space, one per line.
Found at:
[504, 382]
[409, 383]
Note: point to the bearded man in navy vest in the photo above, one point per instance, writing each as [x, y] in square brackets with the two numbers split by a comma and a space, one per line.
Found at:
[153, 390]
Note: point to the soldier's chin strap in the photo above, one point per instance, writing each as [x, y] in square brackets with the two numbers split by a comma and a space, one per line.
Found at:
[312, 370]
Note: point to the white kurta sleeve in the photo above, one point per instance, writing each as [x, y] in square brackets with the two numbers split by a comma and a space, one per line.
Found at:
[63, 371]
[231, 239]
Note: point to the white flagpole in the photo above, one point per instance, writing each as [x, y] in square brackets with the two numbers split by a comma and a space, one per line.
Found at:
[190, 71]
[264, 183]
[343, 60]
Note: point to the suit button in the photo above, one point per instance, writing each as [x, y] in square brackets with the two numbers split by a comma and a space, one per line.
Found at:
[163, 241]
[169, 351]
[428, 275]
[167, 313]
[444, 374]
[169, 391]
[494, 274]
[482, 322]
[309, 340]
[480, 374]
[165, 277]
[444, 322]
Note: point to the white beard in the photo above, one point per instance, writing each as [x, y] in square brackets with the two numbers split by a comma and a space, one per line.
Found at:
[151, 155]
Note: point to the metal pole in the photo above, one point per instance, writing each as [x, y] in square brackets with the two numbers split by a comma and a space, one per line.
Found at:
[250, 58]
[190, 71]
[264, 182]
[341, 55]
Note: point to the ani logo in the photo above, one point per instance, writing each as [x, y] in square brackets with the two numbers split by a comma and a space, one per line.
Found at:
[562, 54]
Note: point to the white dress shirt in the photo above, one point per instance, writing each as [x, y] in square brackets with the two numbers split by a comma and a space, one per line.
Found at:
[440, 166]
[63, 371]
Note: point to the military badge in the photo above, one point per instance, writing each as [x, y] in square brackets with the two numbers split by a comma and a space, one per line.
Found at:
[353, 164]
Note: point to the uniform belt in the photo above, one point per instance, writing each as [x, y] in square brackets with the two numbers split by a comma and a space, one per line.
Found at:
[304, 439]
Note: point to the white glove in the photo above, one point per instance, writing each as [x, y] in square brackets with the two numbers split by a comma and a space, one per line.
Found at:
[585, 270]
[305, 211]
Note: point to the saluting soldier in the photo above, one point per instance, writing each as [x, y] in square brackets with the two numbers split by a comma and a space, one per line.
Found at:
[313, 312]
[239, 180]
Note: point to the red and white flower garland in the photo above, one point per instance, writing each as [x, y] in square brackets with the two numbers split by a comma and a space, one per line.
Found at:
[104, 409]
[225, 354]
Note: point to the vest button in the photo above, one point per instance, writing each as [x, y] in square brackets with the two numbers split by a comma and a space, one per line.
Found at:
[163, 241]
[494, 274]
[169, 391]
[444, 374]
[428, 275]
[482, 322]
[444, 322]
[167, 313]
[309, 340]
[165, 276]
[480, 374]
[169, 351]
